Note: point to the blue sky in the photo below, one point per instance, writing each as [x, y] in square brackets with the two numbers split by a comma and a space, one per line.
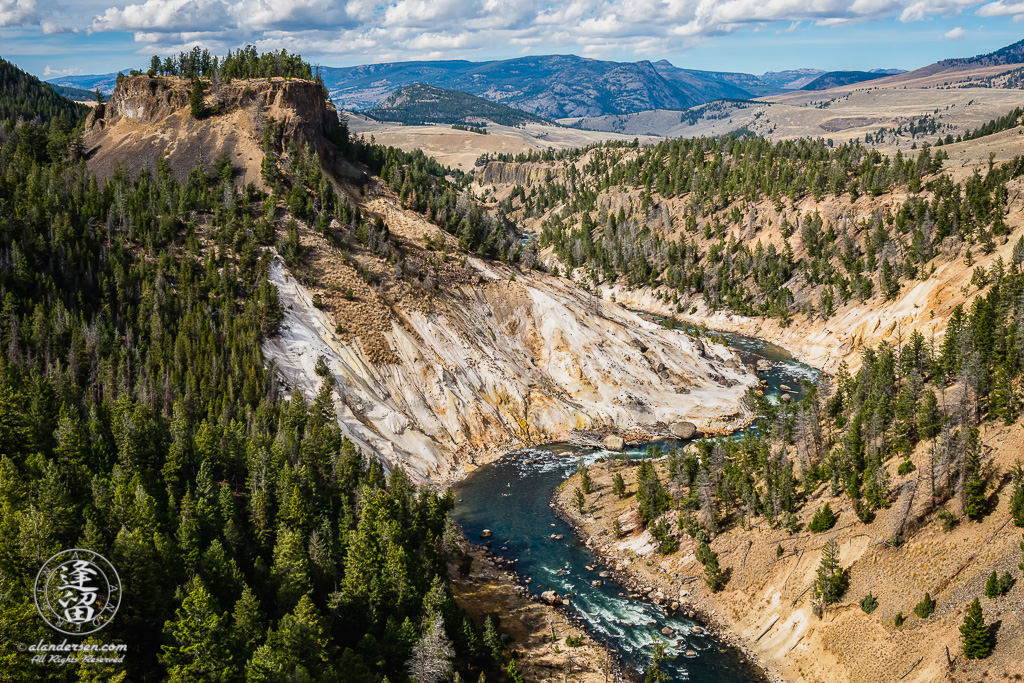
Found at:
[52, 38]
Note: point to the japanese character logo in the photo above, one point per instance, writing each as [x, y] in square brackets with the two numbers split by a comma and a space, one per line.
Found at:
[77, 592]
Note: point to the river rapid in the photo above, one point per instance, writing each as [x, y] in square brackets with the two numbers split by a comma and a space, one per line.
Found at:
[512, 497]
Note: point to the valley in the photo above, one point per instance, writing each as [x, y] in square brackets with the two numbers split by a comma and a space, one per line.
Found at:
[555, 369]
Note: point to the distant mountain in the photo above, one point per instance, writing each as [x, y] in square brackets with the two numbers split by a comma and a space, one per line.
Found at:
[553, 86]
[793, 79]
[105, 82]
[834, 79]
[23, 96]
[418, 103]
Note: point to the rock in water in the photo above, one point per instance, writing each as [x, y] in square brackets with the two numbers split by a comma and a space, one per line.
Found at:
[614, 443]
[786, 398]
[683, 430]
[486, 533]
[596, 583]
[549, 597]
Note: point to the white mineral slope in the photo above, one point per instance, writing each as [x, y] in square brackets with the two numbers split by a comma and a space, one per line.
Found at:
[502, 364]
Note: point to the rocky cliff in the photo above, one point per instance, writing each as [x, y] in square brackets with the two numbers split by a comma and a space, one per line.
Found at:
[149, 117]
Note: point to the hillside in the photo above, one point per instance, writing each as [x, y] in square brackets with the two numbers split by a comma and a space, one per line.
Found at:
[895, 275]
[264, 335]
[418, 104]
[834, 79]
[23, 96]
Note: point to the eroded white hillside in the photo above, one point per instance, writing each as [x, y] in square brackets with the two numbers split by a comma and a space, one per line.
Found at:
[509, 363]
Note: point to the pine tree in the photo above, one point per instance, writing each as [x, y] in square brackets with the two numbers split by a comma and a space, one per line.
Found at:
[197, 642]
[578, 501]
[655, 674]
[585, 481]
[512, 673]
[196, 99]
[1017, 501]
[992, 586]
[831, 578]
[975, 484]
[619, 486]
[824, 519]
[974, 635]
[714, 577]
[492, 641]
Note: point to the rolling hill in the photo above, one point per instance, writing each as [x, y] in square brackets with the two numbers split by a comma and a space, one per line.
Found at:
[835, 79]
[418, 104]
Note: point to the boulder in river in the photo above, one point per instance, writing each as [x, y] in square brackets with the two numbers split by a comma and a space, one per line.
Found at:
[549, 597]
[690, 653]
[697, 631]
[763, 365]
[785, 387]
[683, 430]
[486, 533]
[785, 398]
[596, 583]
[667, 632]
[614, 443]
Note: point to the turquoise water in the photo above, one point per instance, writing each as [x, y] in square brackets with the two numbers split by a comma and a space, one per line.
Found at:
[512, 496]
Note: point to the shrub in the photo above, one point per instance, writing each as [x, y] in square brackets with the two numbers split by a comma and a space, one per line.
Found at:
[947, 519]
[824, 519]
[898, 620]
[925, 608]
[869, 603]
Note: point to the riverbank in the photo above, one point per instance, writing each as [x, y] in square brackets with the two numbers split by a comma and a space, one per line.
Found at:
[674, 591]
[536, 632]
[766, 609]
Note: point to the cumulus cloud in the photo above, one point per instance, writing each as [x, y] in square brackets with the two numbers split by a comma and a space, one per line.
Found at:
[1002, 9]
[18, 12]
[954, 34]
[415, 28]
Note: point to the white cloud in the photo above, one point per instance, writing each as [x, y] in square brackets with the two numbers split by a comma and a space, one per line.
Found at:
[954, 34]
[1002, 9]
[18, 12]
[411, 29]
[51, 73]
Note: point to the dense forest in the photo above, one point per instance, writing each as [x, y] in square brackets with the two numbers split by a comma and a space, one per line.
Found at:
[23, 96]
[139, 418]
[246, 63]
[705, 247]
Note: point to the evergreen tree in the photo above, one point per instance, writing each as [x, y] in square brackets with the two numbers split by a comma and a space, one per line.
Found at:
[619, 487]
[1017, 500]
[975, 484]
[655, 673]
[196, 105]
[974, 634]
[585, 481]
[198, 641]
[492, 641]
[831, 577]
[824, 519]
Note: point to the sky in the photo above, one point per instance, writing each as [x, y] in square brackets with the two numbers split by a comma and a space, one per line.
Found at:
[52, 38]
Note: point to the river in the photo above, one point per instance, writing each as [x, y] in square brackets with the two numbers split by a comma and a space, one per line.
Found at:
[512, 497]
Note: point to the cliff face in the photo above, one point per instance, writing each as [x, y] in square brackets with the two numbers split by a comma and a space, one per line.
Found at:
[501, 364]
[502, 173]
[147, 118]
